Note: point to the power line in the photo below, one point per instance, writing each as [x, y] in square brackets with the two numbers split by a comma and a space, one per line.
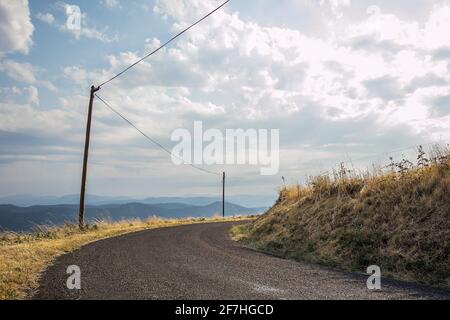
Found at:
[153, 140]
[165, 44]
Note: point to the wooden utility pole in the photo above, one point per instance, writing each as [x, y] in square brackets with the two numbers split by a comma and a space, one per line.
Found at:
[85, 159]
[223, 195]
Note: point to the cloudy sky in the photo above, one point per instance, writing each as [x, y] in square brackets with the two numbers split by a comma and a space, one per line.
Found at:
[343, 81]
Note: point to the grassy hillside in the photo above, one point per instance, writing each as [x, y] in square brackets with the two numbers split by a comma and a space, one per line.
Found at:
[24, 256]
[397, 218]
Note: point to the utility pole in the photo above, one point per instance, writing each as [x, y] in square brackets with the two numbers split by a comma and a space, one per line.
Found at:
[85, 159]
[223, 195]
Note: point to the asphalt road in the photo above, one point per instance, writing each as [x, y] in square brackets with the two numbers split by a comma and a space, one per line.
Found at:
[202, 262]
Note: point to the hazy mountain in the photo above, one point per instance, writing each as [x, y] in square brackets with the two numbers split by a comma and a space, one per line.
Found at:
[30, 200]
[244, 200]
[193, 201]
[16, 218]
[95, 200]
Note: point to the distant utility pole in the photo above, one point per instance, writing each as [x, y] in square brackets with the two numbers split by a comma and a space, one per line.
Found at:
[223, 195]
[86, 156]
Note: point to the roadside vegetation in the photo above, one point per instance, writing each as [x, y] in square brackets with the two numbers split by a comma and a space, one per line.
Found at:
[24, 256]
[396, 217]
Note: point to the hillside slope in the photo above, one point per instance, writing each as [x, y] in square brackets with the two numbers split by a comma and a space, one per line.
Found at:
[398, 220]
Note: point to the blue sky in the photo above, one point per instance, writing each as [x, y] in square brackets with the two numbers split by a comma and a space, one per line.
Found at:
[343, 80]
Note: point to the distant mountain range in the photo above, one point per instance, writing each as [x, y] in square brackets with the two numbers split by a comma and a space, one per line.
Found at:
[95, 200]
[15, 218]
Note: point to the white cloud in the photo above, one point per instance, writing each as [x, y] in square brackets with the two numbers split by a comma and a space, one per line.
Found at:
[77, 74]
[336, 6]
[86, 30]
[435, 33]
[25, 96]
[430, 35]
[111, 4]
[18, 106]
[16, 29]
[33, 95]
[24, 72]
[46, 17]
[269, 69]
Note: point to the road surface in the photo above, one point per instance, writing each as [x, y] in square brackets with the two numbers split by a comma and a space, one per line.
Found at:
[202, 262]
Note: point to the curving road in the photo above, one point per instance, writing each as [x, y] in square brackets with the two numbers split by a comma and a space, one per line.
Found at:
[202, 262]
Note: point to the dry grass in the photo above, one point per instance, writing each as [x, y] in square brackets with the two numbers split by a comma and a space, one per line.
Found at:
[24, 256]
[397, 217]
